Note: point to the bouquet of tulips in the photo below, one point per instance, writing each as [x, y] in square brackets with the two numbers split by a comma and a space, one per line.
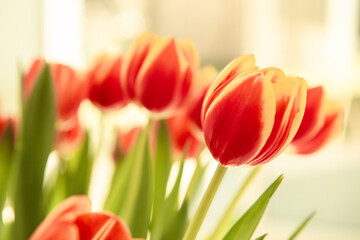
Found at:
[244, 116]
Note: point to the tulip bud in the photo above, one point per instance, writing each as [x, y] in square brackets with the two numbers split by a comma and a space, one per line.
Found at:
[323, 120]
[249, 116]
[70, 89]
[157, 73]
[69, 134]
[105, 88]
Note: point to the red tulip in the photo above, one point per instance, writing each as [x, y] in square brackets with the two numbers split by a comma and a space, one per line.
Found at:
[72, 220]
[70, 89]
[181, 135]
[202, 82]
[126, 141]
[322, 122]
[158, 72]
[249, 116]
[105, 88]
[68, 135]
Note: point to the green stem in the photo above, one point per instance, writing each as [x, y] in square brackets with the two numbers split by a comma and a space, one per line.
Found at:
[223, 223]
[203, 208]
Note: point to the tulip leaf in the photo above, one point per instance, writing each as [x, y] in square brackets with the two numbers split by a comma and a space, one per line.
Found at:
[36, 139]
[169, 208]
[244, 228]
[119, 185]
[140, 211]
[262, 237]
[131, 192]
[177, 227]
[6, 154]
[302, 226]
[162, 170]
[79, 168]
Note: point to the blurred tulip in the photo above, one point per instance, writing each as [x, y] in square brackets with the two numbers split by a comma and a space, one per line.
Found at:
[68, 135]
[181, 135]
[322, 122]
[250, 116]
[204, 78]
[126, 141]
[72, 220]
[105, 88]
[158, 72]
[70, 88]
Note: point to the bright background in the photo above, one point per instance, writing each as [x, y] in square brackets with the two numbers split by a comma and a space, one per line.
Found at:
[317, 40]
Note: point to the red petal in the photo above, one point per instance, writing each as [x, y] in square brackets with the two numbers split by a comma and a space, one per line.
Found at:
[290, 106]
[158, 78]
[238, 122]
[101, 226]
[65, 212]
[134, 60]
[314, 115]
[105, 85]
[331, 128]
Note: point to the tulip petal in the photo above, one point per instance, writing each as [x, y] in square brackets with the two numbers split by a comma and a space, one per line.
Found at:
[332, 127]
[158, 77]
[64, 213]
[314, 116]
[101, 226]
[290, 105]
[238, 122]
[59, 231]
[237, 67]
[105, 86]
[134, 60]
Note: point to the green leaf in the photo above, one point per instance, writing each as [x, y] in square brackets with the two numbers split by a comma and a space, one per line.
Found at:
[79, 168]
[36, 141]
[177, 227]
[302, 226]
[162, 170]
[6, 154]
[131, 193]
[262, 237]
[169, 207]
[244, 228]
[138, 214]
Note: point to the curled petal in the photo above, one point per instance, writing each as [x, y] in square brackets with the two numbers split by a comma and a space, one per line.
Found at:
[102, 226]
[290, 96]
[314, 115]
[331, 128]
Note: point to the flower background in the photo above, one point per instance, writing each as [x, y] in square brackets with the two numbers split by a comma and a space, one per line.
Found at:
[319, 39]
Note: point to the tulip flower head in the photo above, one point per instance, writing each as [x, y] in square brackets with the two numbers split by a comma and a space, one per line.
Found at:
[204, 77]
[105, 88]
[70, 89]
[72, 220]
[249, 116]
[158, 72]
[323, 120]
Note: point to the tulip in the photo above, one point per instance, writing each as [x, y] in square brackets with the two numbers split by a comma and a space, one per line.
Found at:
[323, 120]
[250, 116]
[72, 220]
[68, 135]
[105, 89]
[182, 136]
[126, 141]
[158, 72]
[203, 80]
[70, 89]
